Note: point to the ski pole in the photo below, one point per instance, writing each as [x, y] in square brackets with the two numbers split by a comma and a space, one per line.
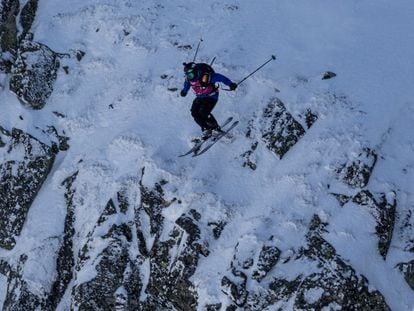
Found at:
[198, 46]
[212, 61]
[272, 58]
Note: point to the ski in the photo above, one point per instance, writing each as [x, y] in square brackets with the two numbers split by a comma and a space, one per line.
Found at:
[198, 145]
[215, 139]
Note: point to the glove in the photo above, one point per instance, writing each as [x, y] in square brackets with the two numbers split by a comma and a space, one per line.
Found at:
[183, 93]
[233, 86]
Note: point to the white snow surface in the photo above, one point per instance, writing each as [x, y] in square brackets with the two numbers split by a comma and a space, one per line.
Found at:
[120, 117]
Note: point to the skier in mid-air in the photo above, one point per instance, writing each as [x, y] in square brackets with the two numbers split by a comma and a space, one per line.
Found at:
[202, 79]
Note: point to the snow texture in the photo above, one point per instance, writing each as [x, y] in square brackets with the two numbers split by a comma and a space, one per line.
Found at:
[308, 206]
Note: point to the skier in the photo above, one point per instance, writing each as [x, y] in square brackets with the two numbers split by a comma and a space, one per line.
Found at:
[202, 79]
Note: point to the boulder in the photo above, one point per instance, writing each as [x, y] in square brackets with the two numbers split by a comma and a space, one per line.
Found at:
[34, 73]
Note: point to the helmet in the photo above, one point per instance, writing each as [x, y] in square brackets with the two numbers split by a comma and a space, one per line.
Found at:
[190, 70]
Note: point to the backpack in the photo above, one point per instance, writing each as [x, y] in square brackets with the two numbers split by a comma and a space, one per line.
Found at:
[206, 73]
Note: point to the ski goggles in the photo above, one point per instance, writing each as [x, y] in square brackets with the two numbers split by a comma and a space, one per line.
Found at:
[190, 74]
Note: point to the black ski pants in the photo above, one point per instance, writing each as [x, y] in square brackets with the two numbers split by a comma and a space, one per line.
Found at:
[201, 112]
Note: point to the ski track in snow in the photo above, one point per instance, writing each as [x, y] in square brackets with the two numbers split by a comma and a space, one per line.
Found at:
[121, 117]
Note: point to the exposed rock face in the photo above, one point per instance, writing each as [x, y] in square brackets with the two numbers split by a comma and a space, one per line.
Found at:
[408, 269]
[27, 16]
[169, 283]
[357, 172]
[34, 73]
[117, 279]
[33, 65]
[280, 131]
[268, 258]
[25, 164]
[65, 257]
[9, 9]
[18, 296]
[277, 129]
[384, 213]
[332, 284]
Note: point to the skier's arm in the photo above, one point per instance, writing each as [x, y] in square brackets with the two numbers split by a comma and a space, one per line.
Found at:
[185, 89]
[223, 79]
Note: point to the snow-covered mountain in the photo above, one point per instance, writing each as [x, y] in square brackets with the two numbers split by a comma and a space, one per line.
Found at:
[308, 206]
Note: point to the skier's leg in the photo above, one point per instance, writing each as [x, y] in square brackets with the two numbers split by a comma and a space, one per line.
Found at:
[205, 112]
[196, 113]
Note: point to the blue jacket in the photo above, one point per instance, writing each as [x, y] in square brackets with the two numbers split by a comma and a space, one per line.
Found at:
[210, 90]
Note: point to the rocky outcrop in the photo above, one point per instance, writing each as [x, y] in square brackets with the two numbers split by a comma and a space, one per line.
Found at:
[12, 30]
[169, 284]
[407, 268]
[280, 131]
[33, 65]
[277, 129]
[34, 73]
[25, 165]
[356, 173]
[65, 257]
[116, 281]
[9, 9]
[19, 297]
[383, 210]
[331, 284]
[27, 17]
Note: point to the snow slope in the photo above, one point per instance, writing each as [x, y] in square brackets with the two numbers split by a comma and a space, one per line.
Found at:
[123, 111]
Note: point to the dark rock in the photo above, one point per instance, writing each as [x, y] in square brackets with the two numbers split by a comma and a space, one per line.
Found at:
[116, 273]
[20, 180]
[328, 75]
[280, 131]
[173, 260]
[65, 261]
[79, 55]
[168, 289]
[247, 156]
[310, 118]
[329, 287]
[18, 296]
[236, 290]
[27, 16]
[184, 47]
[342, 199]
[171, 285]
[8, 26]
[34, 73]
[357, 173]
[213, 307]
[327, 282]
[123, 201]
[268, 258]
[61, 141]
[58, 114]
[217, 228]
[109, 210]
[384, 214]
[408, 270]
[152, 202]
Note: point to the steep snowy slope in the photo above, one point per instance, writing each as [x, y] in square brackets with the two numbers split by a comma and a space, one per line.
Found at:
[307, 207]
